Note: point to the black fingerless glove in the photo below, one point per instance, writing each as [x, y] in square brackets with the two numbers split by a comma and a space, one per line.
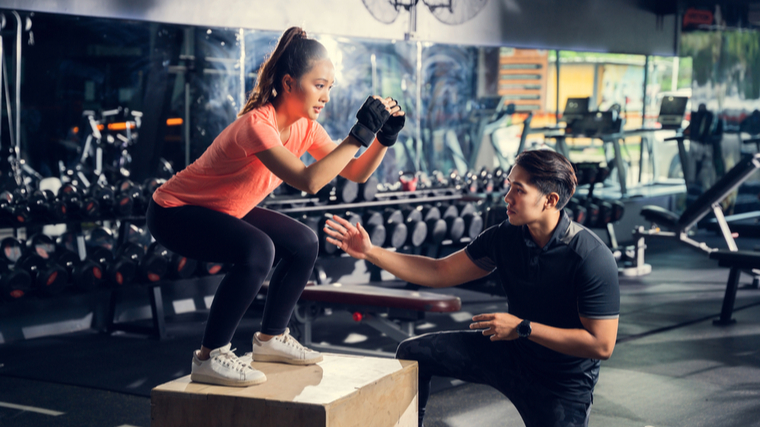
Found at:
[369, 119]
[390, 130]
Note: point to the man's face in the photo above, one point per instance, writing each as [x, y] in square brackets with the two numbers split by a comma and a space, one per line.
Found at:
[525, 203]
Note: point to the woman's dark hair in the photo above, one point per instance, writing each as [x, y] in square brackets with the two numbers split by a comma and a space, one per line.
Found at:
[294, 55]
[551, 172]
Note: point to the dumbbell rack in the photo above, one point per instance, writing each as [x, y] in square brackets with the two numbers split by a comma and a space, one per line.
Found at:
[385, 199]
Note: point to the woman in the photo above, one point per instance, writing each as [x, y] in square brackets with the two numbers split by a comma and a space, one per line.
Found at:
[208, 211]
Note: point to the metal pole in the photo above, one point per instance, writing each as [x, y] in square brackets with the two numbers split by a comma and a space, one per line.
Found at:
[19, 32]
[556, 100]
[187, 121]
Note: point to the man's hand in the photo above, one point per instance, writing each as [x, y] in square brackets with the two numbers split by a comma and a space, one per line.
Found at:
[352, 240]
[500, 326]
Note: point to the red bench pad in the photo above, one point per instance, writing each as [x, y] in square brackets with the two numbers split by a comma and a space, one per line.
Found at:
[379, 297]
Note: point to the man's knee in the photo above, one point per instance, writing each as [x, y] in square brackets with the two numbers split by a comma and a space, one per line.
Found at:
[404, 349]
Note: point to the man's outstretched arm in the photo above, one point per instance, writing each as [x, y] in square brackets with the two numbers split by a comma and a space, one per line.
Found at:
[453, 270]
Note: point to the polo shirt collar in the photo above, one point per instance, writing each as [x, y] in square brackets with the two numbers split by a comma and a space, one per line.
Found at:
[559, 231]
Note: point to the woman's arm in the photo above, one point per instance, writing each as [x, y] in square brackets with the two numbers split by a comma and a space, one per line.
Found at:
[310, 178]
[361, 168]
[358, 169]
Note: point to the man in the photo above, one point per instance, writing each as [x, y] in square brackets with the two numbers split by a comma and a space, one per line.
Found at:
[562, 289]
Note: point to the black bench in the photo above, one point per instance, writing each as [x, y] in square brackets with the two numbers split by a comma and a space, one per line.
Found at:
[390, 311]
[679, 225]
[736, 261]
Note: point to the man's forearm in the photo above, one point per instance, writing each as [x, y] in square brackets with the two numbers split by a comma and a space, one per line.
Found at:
[415, 269]
[574, 342]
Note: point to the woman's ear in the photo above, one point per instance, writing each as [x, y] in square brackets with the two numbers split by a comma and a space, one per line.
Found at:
[288, 83]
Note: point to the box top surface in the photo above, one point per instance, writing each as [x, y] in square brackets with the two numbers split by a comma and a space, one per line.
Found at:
[332, 379]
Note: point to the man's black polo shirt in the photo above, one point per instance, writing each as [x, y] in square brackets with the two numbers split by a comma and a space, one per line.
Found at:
[574, 275]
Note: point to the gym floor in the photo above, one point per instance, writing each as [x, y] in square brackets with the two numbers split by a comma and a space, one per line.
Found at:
[671, 366]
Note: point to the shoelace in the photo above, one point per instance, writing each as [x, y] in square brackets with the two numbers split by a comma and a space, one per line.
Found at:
[289, 340]
[230, 360]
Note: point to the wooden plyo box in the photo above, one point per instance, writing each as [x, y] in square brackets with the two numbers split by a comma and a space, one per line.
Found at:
[340, 391]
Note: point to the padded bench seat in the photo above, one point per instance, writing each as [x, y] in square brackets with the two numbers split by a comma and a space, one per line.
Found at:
[660, 216]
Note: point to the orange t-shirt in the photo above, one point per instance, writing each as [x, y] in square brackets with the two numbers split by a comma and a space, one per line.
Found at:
[228, 177]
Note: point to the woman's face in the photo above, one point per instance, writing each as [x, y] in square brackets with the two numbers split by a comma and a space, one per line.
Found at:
[313, 89]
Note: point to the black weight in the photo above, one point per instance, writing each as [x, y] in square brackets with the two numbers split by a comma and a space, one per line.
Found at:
[437, 230]
[416, 233]
[373, 222]
[618, 210]
[368, 190]
[473, 225]
[430, 212]
[346, 191]
[14, 284]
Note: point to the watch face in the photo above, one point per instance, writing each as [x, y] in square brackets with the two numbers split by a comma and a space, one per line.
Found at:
[523, 329]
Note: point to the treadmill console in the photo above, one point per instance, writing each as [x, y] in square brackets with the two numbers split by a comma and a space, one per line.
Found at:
[672, 110]
[575, 109]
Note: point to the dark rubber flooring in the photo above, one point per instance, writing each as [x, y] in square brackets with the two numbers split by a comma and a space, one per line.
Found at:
[671, 366]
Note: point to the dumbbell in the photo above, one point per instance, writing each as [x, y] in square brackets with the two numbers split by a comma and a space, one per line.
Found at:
[499, 177]
[85, 274]
[317, 224]
[72, 200]
[368, 190]
[209, 268]
[47, 277]
[415, 226]
[151, 266]
[120, 270]
[41, 203]
[151, 185]
[471, 182]
[473, 222]
[15, 283]
[454, 223]
[346, 191]
[437, 228]
[135, 191]
[605, 212]
[374, 223]
[592, 210]
[12, 212]
[123, 204]
[485, 181]
[579, 212]
[103, 195]
[179, 267]
[618, 210]
[395, 227]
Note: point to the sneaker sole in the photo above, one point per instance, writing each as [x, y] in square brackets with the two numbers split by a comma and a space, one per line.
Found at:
[281, 359]
[205, 379]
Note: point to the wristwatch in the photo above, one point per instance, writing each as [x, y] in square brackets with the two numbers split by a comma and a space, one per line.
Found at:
[524, 329]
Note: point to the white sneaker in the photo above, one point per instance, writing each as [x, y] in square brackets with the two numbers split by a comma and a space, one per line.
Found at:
[285, 349]
[224, 368]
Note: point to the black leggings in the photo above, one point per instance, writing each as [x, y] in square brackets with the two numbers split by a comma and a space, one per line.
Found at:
[471, 356]
[253, 244]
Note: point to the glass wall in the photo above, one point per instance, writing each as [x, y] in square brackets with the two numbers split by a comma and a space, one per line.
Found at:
[180, 86]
